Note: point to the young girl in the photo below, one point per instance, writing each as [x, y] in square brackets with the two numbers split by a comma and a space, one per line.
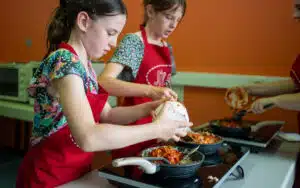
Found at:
[69, 103]
[144, 62]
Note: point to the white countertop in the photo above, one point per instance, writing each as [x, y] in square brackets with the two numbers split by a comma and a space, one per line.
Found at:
[273, 168]
[268, 169]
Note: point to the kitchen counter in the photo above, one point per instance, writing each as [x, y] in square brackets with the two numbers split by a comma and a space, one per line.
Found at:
[272, 168]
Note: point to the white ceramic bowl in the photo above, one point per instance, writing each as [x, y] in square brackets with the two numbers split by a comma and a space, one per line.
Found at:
[175, 111]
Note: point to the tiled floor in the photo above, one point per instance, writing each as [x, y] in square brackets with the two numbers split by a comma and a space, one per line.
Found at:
[9, 163]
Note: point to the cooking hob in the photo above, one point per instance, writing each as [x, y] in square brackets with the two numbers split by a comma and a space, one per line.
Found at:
[257, 140]
[223, 165]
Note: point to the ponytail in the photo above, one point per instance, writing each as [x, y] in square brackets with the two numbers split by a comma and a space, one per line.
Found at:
[58, 30]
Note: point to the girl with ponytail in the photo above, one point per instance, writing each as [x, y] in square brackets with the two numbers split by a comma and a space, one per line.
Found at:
[72, 118]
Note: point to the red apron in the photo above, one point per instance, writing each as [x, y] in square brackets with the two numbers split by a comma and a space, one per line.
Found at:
[57, 159]
[295, 75]
[155, 69]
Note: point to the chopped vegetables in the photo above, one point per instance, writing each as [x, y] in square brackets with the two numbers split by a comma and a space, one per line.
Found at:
[168, 152]
[204, 137]
[229, 123]
[237, 98]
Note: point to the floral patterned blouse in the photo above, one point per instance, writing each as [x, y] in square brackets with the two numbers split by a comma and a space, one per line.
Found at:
[48, 113]
[130, 53]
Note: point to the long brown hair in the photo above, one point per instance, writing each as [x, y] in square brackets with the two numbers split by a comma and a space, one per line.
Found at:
[64, 17]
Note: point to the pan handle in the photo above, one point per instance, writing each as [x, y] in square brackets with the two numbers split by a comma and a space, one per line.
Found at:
[147, 166]
[261, 124]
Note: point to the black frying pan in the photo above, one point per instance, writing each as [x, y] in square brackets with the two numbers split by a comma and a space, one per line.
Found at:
[245, 129]
[206, 149]
[219, 128]
[163, 169]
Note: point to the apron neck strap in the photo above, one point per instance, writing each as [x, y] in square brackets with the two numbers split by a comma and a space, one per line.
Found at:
[144, 34]
[67, 46]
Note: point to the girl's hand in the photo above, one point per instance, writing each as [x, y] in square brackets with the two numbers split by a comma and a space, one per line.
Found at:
[151, 106]
[157, 93]
[258, 106]
[168, 128]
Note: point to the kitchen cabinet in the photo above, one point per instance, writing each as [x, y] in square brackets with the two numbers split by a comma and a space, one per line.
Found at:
[15, 134]
[7, 133]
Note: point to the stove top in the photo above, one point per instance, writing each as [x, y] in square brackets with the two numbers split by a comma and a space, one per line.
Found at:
[260, 138]
[214, 171]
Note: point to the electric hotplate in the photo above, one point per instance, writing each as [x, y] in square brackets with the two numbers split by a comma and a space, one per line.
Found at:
[216, 168]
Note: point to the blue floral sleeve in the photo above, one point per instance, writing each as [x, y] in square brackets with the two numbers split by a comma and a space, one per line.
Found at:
[130, 53]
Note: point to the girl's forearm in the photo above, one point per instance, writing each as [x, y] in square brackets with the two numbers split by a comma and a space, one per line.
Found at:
[108, 137]
[126, 115]
[288, 101]
[271, 88]
[116, 87]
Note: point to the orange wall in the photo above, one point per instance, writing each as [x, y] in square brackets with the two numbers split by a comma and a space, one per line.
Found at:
[22, 20]
[246, 37]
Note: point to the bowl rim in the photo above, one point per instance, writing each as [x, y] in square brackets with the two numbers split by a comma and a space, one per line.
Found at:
[194, 163]
[219, 142]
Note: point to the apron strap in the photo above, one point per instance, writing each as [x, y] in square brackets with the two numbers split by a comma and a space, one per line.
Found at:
[144, 35]
[145, 39]
[66, 46]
